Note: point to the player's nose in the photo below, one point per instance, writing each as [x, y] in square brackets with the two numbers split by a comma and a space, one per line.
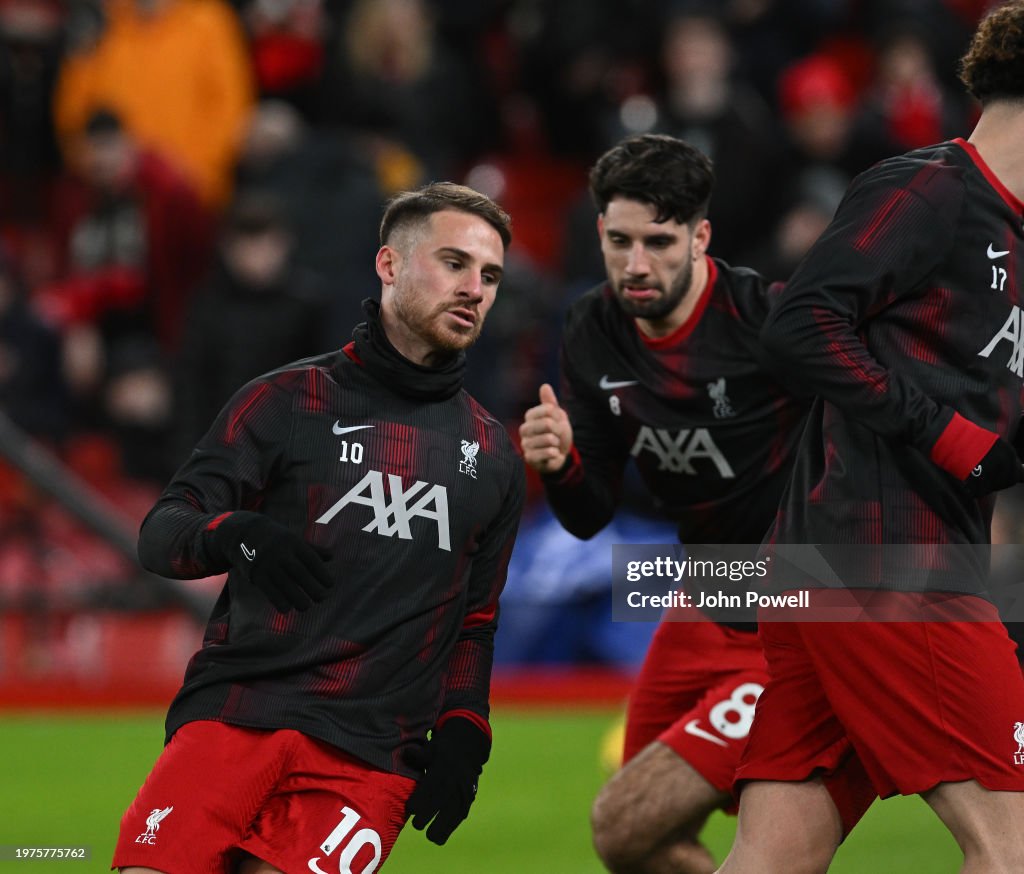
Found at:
[637, 263]
[473, 286]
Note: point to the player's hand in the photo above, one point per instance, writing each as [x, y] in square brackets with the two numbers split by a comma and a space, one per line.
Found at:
[290, 572]
[999, 469]
[451, 763]
[545, 434]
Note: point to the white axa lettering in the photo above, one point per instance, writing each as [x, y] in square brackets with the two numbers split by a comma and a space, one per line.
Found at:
[393, 518]
[676, 452]
[1011, 331]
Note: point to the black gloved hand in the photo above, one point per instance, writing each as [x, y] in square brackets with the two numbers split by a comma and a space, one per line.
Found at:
[999, 469]
[289, 571]
[452, 761]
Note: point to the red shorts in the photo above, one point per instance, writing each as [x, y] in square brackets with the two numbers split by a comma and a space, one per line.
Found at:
[918, 703]
[696, 694]
[300, 804]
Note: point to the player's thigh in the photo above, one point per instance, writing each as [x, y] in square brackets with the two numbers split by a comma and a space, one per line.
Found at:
[654, 796]
[330, 813]
[200, 797]
[926, 703]
[796, 735]
[979, 818]
[684, 660]
[712, 735]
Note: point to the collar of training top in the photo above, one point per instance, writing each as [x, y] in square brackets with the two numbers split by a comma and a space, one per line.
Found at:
[389, 366]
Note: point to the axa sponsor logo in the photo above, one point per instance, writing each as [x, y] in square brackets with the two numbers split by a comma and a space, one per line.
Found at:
[677, 450]
[156, 816]
[394, 509]
[1010, 332]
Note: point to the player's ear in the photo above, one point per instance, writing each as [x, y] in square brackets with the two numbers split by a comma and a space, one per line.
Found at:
[600, 224]
[701, 238]
[387, 264]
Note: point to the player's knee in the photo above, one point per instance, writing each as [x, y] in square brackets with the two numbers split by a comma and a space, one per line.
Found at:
[615, 841]
[779, 851]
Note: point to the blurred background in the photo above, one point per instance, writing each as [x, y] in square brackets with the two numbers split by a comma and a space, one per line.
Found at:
[189, 196]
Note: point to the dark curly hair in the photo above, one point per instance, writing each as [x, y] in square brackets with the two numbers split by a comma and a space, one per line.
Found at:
[665, 172]
[993, 68]
[412, 207]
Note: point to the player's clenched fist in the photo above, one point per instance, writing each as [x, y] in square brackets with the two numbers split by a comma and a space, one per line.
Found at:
[546, 435]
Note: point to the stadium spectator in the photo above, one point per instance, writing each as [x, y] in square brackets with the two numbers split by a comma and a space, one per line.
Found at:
[30, 42]
[906, 106]
[255, 291]
[33, 393]
[661, 366]
[392, 79]
[134, 237]
[324, 180]
[810, 207]
[302, 722]
[287, 44]
[178, 74]
[904, 320]
[134, 242]
[704, 103]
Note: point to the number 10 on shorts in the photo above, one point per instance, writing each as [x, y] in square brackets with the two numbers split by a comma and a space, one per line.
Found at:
[340, 835]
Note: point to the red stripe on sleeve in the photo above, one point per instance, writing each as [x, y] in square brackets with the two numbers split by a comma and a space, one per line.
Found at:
[961, 446]
[481, 617]
[216, 521]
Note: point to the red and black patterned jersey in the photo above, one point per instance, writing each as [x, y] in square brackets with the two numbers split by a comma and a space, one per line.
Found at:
[418, 503]
[709, 429]
[905, 311]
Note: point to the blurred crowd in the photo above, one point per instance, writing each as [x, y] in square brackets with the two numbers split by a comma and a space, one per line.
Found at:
[190, 189]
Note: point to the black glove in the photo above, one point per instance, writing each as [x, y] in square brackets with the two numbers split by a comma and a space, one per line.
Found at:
[289, 571]
[452, 761]
[999, 469]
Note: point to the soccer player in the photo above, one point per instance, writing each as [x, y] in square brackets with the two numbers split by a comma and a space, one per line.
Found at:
[905, 319]
[364, 506]
[662, 365]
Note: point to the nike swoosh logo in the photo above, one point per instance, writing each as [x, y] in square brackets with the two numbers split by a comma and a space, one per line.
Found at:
[248, 553]
[314, 867]
[606, 383]
[992, 253]
[693, 728]
[337, 429]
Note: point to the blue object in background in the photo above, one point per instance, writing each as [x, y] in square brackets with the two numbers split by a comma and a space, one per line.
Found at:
[556, 608]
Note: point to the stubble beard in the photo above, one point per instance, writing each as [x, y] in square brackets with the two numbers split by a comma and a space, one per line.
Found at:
[660, 307]
[428, 326]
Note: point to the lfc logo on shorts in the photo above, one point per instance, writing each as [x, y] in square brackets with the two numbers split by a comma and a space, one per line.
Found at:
[153, 821]
[1018, 735]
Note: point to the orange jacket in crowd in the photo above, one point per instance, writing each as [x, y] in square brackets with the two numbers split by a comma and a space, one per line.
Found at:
[179, 77]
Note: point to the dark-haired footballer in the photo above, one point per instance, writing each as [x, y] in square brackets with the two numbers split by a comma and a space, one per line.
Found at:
[662, 366]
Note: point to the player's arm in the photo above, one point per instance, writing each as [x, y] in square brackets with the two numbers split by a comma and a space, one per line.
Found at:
[884, 240]
[460, 742]
[205, 522]
[570, 445]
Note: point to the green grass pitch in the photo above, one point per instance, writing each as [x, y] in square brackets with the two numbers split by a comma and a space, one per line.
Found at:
[67, 779]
